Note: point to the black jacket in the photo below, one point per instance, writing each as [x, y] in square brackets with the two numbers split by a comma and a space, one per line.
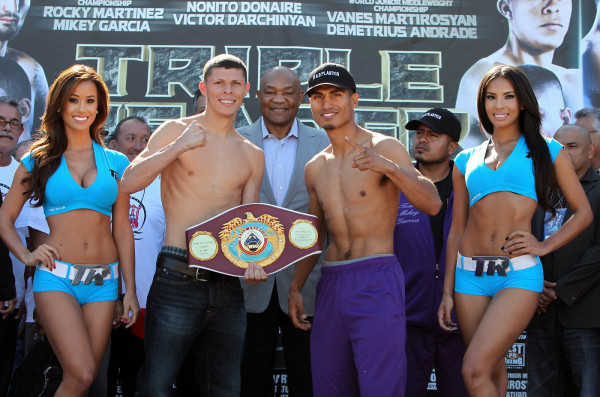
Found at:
[7, 278]
[575, 268]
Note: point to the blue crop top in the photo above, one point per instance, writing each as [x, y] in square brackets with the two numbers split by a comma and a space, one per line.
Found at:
[63, 194]
[514, 175]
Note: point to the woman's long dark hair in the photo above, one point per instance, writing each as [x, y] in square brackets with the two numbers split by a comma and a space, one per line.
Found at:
[47, 150]
[530, 126]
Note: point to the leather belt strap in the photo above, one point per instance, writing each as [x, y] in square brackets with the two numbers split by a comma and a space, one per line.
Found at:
[179, 265]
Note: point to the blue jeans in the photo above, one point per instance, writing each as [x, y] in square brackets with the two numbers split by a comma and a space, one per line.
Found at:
[552, 350]
[181, 310]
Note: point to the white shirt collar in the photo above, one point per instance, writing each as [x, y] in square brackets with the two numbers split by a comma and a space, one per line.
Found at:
[293, 130]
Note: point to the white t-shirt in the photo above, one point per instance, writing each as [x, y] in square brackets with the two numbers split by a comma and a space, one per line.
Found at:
[29, 217]
[148, 223]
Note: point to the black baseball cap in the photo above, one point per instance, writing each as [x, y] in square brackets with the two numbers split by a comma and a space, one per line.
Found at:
[331, 74]
[439, 120]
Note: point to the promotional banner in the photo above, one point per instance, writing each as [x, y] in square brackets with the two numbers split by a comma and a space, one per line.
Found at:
[406, 55]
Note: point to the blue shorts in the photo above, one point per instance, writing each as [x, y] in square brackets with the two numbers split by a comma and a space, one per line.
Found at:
[84, 293]
[466, 282]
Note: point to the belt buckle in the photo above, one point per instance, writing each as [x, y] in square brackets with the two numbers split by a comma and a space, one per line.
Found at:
[90, 274]
[197, 277]
[492, 264]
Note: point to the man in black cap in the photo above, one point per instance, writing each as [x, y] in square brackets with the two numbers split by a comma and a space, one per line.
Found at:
[358, 334]
[420, 246]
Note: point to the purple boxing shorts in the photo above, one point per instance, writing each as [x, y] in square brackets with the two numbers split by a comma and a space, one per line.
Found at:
[359, 329]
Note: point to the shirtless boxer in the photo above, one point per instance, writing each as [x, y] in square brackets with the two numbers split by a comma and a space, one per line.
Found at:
[206, 168]
[358, 336]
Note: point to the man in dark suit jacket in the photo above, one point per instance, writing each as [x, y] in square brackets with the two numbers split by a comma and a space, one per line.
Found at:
[565, 333]
[288, 145]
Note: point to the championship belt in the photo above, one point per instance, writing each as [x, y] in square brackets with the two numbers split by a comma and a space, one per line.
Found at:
[272, 237]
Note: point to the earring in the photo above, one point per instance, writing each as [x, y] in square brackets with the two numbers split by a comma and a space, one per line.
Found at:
[96, 112]
[58, 110]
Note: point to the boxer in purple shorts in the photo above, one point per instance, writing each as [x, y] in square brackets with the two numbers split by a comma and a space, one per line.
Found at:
[359, 330]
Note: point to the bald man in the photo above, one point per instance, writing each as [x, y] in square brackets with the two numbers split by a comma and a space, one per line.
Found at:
[565, 332]
[288, 145]
[589, 118]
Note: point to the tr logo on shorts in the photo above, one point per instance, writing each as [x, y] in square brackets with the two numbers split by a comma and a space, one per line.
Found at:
[491, 264]
[85, 274]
